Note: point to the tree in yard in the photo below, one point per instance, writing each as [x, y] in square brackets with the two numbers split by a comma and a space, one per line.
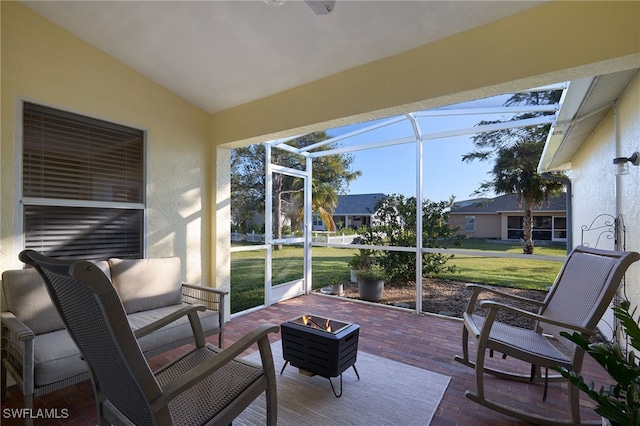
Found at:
[396, 216]
[516, 153]
[331, 177]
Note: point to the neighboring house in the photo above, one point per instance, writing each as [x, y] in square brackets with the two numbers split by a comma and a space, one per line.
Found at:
[500, 218]
[352, 211]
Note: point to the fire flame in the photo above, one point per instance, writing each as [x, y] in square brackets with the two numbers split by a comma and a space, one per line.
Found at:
[308, 320]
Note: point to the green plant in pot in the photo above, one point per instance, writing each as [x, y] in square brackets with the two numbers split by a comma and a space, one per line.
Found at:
[360, 260]
[337, 287]
[371, 283]
[620, 404]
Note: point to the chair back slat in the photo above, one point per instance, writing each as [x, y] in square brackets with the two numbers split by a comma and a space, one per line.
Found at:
[585, 287]
[95, 318]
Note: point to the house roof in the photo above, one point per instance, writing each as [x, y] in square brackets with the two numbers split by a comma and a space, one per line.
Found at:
[508, 203]
[586, 102]
[358, 204]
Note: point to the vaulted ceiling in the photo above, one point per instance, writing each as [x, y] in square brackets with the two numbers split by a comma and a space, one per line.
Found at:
[220, 54]
[225, 55]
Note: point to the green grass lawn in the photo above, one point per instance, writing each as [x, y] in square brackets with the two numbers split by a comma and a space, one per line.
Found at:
[329, 264]
[518, 273]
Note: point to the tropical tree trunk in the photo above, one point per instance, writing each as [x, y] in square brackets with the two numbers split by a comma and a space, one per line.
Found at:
[527, 227]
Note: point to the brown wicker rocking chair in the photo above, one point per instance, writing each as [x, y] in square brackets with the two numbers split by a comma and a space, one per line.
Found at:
[206, 385]
[576, 302]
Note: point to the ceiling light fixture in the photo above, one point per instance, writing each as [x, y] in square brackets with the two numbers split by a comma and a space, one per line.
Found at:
[321, 7]
[275, 2]
[620, 166]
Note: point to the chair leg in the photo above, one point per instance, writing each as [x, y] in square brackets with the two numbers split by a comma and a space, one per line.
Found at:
[28, 403]
[480, 398]
[465, 344]
[480, 372]
[464, 359]
[573, 394]
[272, 405]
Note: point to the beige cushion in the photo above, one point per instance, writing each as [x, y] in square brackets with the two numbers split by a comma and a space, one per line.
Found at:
[175, 334]
[145, 284]
[26, 296]
[56, 358]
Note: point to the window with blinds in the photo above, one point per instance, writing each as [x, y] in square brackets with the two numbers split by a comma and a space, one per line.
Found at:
[82, 185]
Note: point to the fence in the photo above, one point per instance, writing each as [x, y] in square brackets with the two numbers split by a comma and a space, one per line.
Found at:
[316, 238]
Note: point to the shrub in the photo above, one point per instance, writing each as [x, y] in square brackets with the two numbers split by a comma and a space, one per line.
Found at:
[397, 227]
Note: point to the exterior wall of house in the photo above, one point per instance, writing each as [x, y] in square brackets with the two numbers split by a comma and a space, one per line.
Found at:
[486, 225]
[43, 63]
[490, 225]
[594, 184]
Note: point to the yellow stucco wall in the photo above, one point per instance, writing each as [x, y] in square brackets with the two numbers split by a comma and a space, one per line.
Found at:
[45, 64]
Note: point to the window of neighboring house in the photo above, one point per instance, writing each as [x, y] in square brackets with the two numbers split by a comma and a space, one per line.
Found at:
[542, 227]
[559, 227]
[470, 223]
[317, 221]
[82, 186]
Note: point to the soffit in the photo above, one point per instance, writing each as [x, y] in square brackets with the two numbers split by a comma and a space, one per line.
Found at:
[586, 103]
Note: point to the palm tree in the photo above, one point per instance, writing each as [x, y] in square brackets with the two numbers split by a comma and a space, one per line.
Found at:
[514, 172]
[516, 153]
[324, 200]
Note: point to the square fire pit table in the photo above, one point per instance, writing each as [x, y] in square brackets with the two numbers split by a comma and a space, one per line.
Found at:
[320, 346]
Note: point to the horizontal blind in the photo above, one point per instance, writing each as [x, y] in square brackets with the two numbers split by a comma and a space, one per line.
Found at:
[67, 156]
[84, 232]
[71, 166]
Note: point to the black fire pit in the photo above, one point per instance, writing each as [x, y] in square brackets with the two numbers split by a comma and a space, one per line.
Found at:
[320, 346]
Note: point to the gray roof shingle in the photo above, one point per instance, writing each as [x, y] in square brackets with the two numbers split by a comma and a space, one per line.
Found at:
[358, 204]
[508, 203]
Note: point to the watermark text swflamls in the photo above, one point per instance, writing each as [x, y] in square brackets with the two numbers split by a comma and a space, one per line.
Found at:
[33, 413]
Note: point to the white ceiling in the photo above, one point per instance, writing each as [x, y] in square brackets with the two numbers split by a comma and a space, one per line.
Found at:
[219, 54]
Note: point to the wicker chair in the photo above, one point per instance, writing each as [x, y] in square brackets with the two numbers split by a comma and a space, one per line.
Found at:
[206, 385]
[576, 302]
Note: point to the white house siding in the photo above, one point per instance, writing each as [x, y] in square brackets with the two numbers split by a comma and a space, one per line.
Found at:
[594, 184]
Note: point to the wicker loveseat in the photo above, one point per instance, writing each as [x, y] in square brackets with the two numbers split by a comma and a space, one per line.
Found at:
[40, 355]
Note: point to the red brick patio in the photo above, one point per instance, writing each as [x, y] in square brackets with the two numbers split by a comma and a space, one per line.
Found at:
[428, 342]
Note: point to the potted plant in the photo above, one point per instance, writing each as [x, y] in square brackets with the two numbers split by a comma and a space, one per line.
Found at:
[337, 287]
[620, 404]
[360, 260]
[371, 283]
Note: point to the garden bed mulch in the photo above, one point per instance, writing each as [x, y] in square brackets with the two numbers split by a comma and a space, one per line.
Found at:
[447, 297]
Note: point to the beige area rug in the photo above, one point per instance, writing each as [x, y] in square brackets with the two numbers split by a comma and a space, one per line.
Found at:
[388, 393]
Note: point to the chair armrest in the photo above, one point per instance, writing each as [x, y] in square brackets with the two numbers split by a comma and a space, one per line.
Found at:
[180, 384]
[187, 310]
[211, 298]
[477, 289]
[17, 348]
[495, 306]
[16, 327]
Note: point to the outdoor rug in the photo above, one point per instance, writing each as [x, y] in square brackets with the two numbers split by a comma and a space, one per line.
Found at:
[388, 393]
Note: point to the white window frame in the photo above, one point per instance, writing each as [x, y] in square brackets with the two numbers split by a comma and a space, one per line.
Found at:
[19, 211]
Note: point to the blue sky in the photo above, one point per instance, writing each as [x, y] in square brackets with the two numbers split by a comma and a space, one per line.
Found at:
[392, 169]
